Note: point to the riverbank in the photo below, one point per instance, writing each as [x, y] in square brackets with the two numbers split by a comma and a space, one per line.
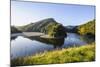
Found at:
[34, 34]
[47, 36]
[28, 34]
[75, 54]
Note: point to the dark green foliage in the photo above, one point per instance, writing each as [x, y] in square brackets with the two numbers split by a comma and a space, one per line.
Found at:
[87, 29]
[14, 30]
[56, 30]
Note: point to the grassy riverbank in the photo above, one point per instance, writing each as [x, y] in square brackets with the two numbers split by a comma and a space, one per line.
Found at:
[75, 54]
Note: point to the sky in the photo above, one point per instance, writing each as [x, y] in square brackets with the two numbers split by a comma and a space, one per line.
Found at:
[23, 13]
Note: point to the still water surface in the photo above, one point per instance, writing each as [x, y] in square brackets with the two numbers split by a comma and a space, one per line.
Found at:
[25, 46]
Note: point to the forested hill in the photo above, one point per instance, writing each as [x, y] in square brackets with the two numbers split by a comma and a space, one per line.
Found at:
[84, 29]
[88, 28]
[51, 27]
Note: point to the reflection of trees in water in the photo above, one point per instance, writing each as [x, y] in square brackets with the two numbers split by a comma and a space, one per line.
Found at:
[89, 38]
[57, 43]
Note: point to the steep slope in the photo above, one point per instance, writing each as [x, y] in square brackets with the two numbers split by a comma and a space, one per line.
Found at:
[37, 26]
[48, 26]
[14, 30]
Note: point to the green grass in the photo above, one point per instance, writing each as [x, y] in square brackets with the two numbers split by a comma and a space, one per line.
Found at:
[76, 54]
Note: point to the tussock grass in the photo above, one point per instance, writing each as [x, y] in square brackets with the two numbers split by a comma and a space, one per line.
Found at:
[76, 54]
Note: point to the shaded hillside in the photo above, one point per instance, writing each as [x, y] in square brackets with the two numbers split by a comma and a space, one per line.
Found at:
[48, 26]
[14, 30]
[39, 26]
[88, 28]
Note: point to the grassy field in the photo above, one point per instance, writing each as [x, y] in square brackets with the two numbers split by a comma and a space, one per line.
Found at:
[76, 54]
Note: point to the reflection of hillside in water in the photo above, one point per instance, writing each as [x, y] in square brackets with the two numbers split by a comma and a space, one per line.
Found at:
[88, 38]
[69, 41]
[13, 38]
[57, 43]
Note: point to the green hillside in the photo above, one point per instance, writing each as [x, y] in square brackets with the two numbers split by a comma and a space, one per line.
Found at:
[88, 28]
[48, 26]
[39, 26]
[14, 30]
[56, 30]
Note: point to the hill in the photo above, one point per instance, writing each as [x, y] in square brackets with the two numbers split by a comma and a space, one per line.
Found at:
[14, 30]
[48, 26]
[38, 26]
[87, 29]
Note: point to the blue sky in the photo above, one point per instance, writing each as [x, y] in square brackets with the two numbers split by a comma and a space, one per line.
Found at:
[23, 13]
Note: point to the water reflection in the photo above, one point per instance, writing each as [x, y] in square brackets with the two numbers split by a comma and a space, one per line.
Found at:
[26, 46]
[57, 43]
[13, 38]
[88, 38]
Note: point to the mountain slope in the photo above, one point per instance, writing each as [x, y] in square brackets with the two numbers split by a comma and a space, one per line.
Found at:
[48, 26]
[37, 26]
[14, 30]
[88, 28]
[84, 29]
